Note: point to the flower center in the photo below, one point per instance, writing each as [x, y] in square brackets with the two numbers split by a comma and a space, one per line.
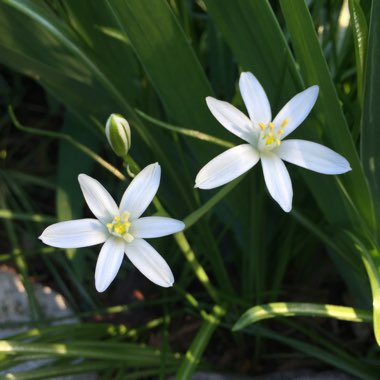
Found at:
[270, 136]
[120, 227]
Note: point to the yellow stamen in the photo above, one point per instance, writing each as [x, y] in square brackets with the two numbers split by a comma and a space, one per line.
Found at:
[280, 132]
[286, 121]
[278, 142]
[271, 126]
[120, 226]
[269, 140]
[262, 126]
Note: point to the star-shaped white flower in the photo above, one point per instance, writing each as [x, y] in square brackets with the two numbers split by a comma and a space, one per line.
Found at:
[120, 229]
[265, 142]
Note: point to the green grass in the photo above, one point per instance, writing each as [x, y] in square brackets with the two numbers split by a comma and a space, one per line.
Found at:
[240, 259]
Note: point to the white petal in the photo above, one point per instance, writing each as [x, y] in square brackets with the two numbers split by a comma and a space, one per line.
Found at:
[155, 226]
[75, 233]
[109, 262]
[255, 98]
[277, 180]
[232, 119]
[98, 199]
[313, 156]
[141, 191]
[296, 110]
[149, 262]
[227, 166]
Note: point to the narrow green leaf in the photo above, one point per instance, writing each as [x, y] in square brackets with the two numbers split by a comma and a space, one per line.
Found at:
[97, 26]
[370, 137]
[194, 353]
[206, 207]
[346, 362]
[132, 354]
[71, 162]
[334, 127]
[9, 214]
[168, 59]
[293, 309]
[360, 31]
[71, 140]
[56, 371]
[257, 42]
[35, 41]
[371, 259]
[186, 132]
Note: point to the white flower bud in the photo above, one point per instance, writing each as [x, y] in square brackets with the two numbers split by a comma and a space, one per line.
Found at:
[118, 134]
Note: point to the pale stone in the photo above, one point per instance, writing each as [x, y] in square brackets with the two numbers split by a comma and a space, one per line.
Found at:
[14, 309]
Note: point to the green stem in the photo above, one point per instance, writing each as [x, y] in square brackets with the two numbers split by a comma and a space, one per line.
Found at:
[371, 261]
[9, 214]
[201, 211]
[198, 269]
[187, 132]
[69, 139]
[199, 344]
[183, 244]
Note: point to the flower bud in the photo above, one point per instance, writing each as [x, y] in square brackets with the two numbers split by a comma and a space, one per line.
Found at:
[118, 134]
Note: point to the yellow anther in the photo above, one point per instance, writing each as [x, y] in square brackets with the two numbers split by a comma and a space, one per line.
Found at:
[120, 228]
[280, 132]
[271, 126]
[269, 140]
[270, 134]
[286, 121]
[278, 142]
[262, 126]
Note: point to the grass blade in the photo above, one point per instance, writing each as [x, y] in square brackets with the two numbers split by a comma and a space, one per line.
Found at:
[360, 31]
[370, 138]
[335, 131]
[293, 309]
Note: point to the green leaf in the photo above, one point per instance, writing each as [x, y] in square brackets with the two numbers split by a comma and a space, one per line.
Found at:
[360, 31]
[257, 42]
[347, 362]
[370, 255]
[370, 137]
[333, 124]
[132, 354]
[168, 60]
[293, 309]
[71, 162]
[194, 353]
[206, 207]
[186, 132]
[36, 42]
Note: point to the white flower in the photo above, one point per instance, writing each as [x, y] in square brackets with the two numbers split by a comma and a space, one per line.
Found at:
[265, 142]
[120, 229]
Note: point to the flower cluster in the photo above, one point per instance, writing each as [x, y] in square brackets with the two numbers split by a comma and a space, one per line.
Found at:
[123, 230]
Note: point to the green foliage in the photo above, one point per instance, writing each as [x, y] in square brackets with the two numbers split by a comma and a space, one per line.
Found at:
[240, 260]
